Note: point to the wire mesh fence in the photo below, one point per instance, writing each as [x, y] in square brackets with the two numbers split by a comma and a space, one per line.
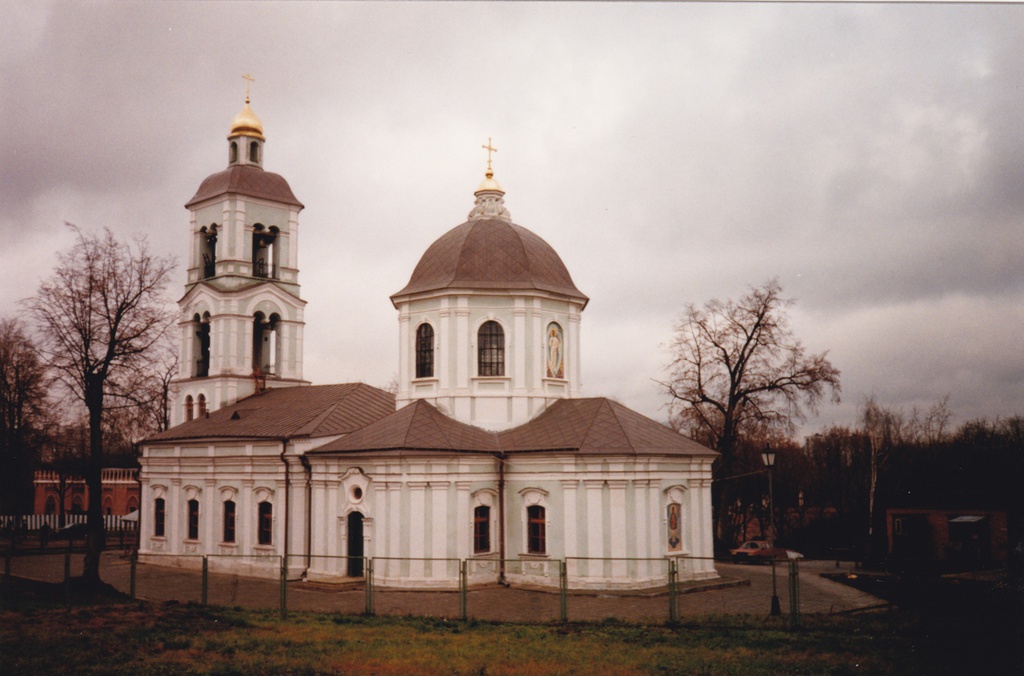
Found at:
[519, 590]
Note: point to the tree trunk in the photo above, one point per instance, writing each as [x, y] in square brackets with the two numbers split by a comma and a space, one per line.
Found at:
[95, 538]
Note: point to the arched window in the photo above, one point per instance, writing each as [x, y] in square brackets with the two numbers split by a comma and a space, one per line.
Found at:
[229, 521]
[491, 349]
[51, 505]
[76, 504]
[254, 152]
[108, 506]
[233, 153]
[133, 505]
[481, 529]
[188, 408]
[201, 405]
[425, 351]
[265, 526]
[193, 519]
[536, 530]
[158, 517]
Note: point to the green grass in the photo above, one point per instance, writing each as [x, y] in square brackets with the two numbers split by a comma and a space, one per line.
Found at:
[107, 633]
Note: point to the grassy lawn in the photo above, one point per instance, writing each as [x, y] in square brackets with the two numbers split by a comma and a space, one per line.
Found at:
[106, 633]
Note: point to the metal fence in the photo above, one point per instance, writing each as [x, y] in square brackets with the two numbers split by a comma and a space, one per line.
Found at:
[33, 522]
[229, 580]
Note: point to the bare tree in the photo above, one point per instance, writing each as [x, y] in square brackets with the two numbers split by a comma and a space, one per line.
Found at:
[885, 430]
[737, 372]
[933, 426]
[23, 385]
[737, 368]
[99, 316]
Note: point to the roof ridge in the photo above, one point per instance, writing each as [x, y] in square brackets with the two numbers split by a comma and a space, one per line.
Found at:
[590, 424]
[416, 406]
[618, 420]
[314, 422]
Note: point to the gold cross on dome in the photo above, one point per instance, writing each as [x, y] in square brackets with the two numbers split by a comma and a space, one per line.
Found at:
[490, 149]
[249, 79]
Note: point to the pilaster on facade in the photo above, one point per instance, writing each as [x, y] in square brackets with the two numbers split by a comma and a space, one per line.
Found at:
[595, 524]
[417, 527]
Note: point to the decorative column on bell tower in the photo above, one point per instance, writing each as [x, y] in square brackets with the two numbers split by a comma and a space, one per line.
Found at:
[241, 317]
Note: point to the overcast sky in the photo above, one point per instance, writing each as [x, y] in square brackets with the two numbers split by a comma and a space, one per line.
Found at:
[870, 156]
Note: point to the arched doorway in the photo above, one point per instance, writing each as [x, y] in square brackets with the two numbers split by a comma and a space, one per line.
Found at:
[355, 544]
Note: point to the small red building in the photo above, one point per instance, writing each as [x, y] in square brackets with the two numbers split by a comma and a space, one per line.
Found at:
[120, 492]
[969, 537]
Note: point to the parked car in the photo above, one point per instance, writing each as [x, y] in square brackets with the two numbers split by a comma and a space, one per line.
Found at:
[74, 531]
[759, 551]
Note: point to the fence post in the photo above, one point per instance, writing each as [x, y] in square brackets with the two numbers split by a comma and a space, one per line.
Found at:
[368, 570]
[7, 565]
[673, 582]
[463, 591]
[206, 580]
[131, 576]
[563, 589]
[284, 586]
[794, 592]
[67, 578]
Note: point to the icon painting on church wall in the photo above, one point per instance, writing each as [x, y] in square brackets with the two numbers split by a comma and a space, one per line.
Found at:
[555, 352]
[675, 534]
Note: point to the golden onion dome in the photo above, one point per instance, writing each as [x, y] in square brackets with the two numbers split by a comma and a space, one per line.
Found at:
[247, 124]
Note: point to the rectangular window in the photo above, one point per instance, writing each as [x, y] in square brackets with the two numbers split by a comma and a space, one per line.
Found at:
[481, 530]
[229, 521]
[193, 519]
[158, 517]
[536, 530]
[266, 523]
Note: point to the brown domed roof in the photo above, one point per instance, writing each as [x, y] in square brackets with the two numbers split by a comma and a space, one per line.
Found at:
[491, 254]
[249, 180]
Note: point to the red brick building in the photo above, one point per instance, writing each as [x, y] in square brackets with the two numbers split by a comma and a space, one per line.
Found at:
[961, 536]
[120, 492]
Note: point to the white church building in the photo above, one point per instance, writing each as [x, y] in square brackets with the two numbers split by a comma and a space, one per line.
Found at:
[489, 457]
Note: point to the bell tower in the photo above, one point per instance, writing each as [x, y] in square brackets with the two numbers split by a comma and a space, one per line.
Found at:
[241, 317]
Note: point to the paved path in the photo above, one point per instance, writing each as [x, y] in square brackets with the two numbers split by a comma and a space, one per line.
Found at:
[749, 591]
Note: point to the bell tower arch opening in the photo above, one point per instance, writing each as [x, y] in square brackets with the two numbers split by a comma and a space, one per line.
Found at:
[265, 344]
[201, 345]
[208, 251]
[264, 251]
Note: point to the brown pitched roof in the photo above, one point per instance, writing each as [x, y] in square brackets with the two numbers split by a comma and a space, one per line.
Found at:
[315, 411]
[586, 426]
[245, 179]
[491, 254]
[598, 426]
[418, 427]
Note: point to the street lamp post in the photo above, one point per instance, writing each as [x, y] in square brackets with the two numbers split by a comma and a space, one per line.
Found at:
[768, 457]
